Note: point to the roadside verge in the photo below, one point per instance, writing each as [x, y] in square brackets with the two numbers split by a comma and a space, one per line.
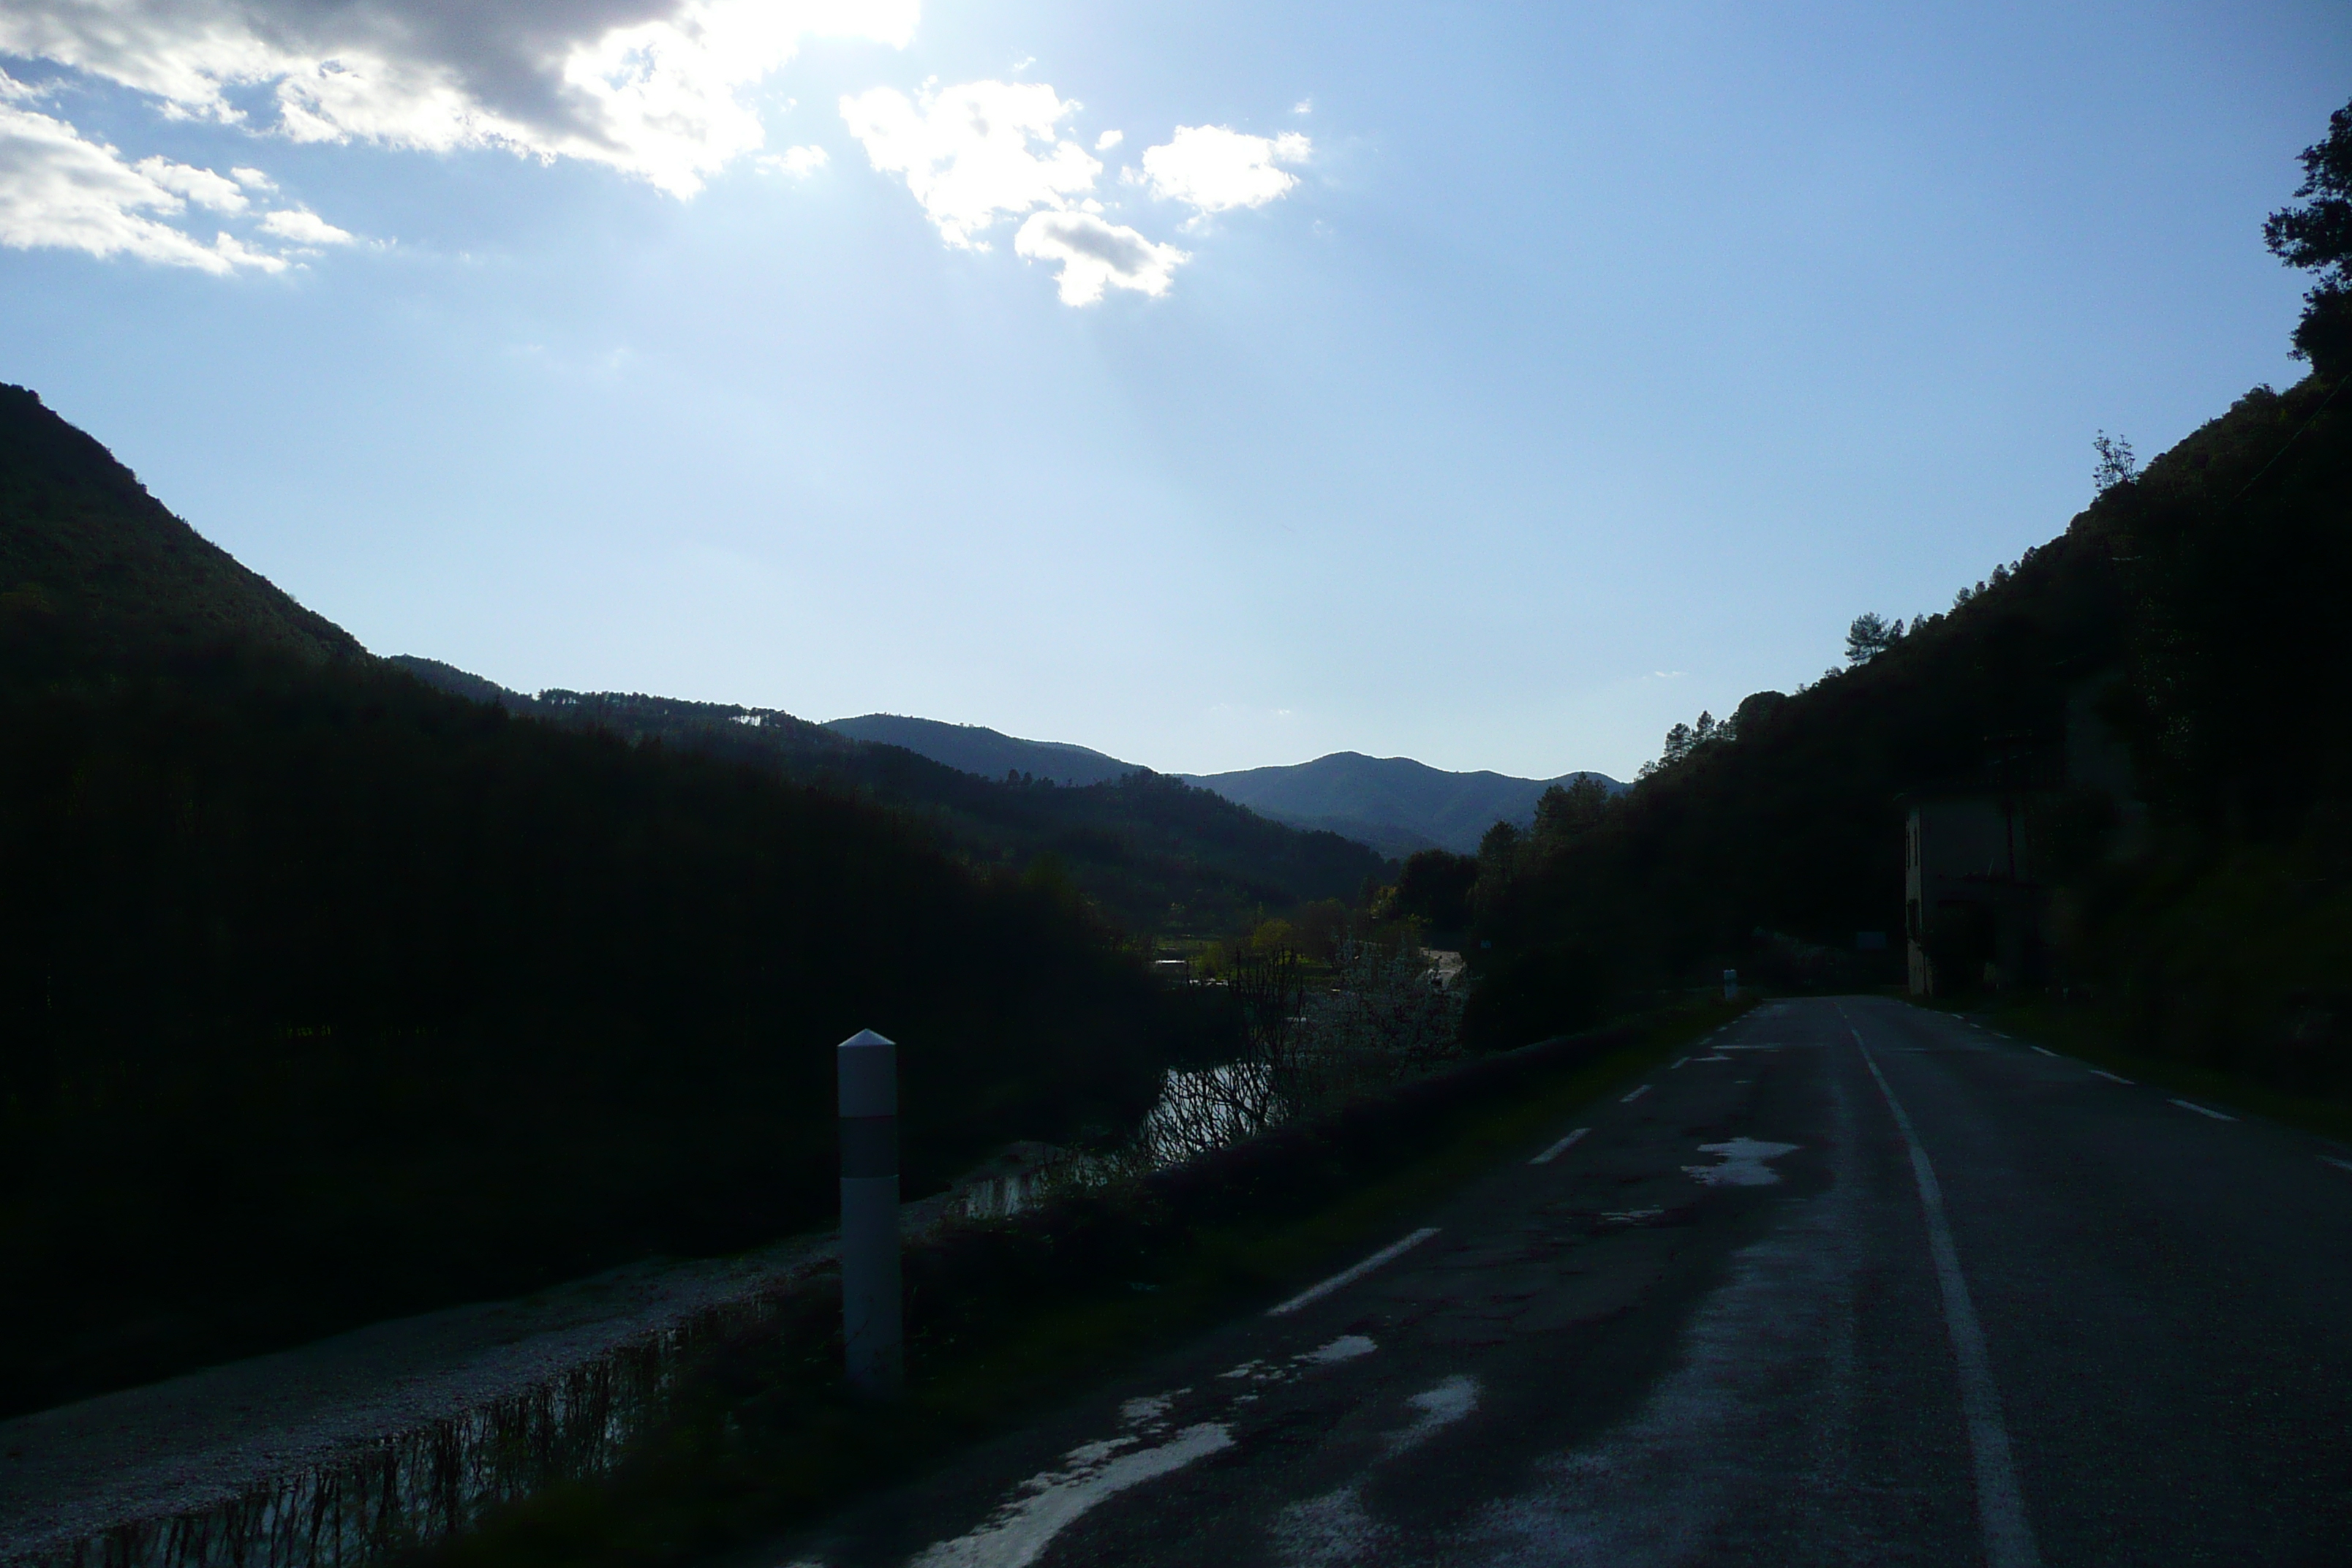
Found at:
[2084, 1036]
[1008, 1318]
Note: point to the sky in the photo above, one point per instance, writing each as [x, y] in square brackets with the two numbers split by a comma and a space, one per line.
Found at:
[1213, 384]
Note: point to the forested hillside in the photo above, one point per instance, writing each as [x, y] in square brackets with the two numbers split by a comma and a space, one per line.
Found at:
[324, 995]
[1394, 803]
[2193, 611]
[80, 538]
[975, 748]
[1156, 854]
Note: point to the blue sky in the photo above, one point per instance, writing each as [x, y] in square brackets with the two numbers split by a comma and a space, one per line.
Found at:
[1489, 384]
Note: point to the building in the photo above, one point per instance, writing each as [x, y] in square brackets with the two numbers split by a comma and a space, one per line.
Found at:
[1979, 862]
[1974, 911]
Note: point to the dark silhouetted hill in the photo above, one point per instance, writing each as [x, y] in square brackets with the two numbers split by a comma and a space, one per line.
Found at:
[326, 995]
[985, 752]
[79, 536]
[2204, 914]
[1395, 802]
[1153, 852]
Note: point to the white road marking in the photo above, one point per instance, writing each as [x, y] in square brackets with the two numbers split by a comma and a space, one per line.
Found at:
[2339, 1164]
[1350, 1275]
[1743, 1164]
[1562, 1147]
[2045, 1050]
[2111, 1078]
[2204, 1110]
[1637, 1094]
[2000, 1505]
[1678, 1063]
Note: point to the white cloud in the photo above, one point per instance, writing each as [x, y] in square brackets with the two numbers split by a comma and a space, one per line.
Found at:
[1304, 105]
[654, 87]
[304, 226]
[973, 153]
[1109, 140]
[1094, 254]
[799, 162]
[201, 187]
[253, 179]
[60, 191]
[1214, 168]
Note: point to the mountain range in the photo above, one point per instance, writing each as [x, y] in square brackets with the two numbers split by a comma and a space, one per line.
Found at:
[1395, 805]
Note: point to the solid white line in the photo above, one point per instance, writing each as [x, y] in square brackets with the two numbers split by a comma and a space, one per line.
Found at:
[1562, 1147]
[2045, 1050]
[1637, 1094]
[2339, 1164]
[2111, 1078]
[2000, 1505]
[2202, 1111]
[1395, 1250]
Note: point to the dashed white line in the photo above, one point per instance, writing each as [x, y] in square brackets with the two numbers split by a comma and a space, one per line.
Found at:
[1562, 1147]
[1638, 1092]
[1350, 1275]
[2045, 1050]
[2111, 1078]
[2339, 1164]
[2204, 1110]
[1678, 1062]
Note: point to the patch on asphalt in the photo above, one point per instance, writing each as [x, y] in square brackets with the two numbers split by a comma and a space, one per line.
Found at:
[1741, 1163]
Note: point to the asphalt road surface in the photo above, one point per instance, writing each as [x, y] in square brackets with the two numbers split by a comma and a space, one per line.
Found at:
[1851, 1283]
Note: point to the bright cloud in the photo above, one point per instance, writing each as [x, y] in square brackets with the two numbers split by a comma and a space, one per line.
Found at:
[654, 87]
[201, 187]
[304, 226]
[59, 190]
[973, 153]
[1095, 255]
[1214, 168]
[799, 162]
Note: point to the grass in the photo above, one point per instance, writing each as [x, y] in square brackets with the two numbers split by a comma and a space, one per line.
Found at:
[2089, 1036]
[764, 1436]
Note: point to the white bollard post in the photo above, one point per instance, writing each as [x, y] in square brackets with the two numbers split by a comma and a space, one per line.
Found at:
[868, 1074]
[1731, 985]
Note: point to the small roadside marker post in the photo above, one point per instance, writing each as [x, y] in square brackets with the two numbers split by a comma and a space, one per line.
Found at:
[868, 1073]
[1731, 985]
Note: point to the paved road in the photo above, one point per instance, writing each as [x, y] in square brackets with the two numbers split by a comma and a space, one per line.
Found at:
[1852, 1283]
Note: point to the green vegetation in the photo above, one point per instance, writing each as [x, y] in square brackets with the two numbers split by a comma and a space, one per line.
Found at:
[1394, 803]
[325, 995]
[81, 540]
[2191, 610]
[988, 752]
[1008, 1318]
[1154, 853]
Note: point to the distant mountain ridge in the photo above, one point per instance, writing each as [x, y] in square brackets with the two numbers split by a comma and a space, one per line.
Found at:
[1149, 849]
[988, 752]
[1395, 805]
[1409, 805]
